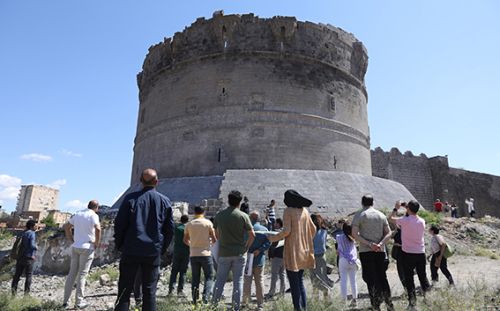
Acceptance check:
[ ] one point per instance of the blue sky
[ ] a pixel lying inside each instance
(69, 99)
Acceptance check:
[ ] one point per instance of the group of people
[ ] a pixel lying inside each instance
(235, 241)
(439, 207)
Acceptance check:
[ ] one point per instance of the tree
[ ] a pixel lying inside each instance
(50, 222)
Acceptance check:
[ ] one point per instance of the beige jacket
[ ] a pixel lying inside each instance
(298, 232)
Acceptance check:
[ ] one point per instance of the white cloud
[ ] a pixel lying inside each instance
(75, 204)
(9, 188)
(9, 181)
(36, 157)
(70, 153)
(57, 184)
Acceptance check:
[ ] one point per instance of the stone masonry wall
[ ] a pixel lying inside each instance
(242, 92)
(414, 172)
(432, 178)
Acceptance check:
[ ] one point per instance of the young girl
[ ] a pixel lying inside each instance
(348, 267)
(438, 261)
(319, 275)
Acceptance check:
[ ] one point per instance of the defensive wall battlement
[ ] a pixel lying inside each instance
(431, 178)
(267, 37)
(243, 92)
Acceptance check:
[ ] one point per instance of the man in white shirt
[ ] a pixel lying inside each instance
(86, 237)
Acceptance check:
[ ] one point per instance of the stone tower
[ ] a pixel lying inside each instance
(242, 92)
(262, 106)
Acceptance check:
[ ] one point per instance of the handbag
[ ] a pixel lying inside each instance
(448, 251)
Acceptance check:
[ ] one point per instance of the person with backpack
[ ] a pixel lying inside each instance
(438, 260)
(24, 253)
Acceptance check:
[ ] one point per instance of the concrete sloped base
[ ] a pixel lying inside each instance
(333, 193)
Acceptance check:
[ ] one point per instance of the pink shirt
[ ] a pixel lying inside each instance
(412, 234)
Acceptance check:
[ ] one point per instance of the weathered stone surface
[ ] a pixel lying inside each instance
(242, 92)
(432, 178)
(54, 253)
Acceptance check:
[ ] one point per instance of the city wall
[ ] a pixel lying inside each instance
(432, 178)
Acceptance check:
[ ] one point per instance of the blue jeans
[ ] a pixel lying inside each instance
(205, 263)
(150, 268)
(179, 267)
(296, 280)
(236, 264)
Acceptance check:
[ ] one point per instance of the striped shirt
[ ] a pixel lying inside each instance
(271, 213)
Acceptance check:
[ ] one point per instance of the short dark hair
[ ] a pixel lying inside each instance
(199, 210)
(184, 219)
(234, 198)
(30, 224)
(367, 200)
(435, 229)
(413, 206)
(279, 221)
(93, 204)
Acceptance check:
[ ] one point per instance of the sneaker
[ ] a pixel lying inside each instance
(82, 305)
(65, 306)
(288, 290)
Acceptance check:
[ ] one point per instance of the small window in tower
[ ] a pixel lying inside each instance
(219, 155)
(223, 91)
(333, 106)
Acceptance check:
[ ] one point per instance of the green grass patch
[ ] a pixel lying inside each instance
(112, 271)
(27, 303)
(483, 252)
(431, 218)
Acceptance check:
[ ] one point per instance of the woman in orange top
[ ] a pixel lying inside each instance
(298, 232)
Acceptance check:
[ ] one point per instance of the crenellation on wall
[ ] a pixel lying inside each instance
(276, 36)
(432, 178)
(256, 88)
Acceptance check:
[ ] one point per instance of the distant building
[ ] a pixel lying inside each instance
(37, 198)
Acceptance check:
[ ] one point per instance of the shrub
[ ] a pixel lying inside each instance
(431, 218)
(49, 222)
(5, 235)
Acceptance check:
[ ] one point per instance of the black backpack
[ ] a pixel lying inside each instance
(17, 248)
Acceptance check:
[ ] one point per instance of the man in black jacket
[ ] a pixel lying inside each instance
(143, 231)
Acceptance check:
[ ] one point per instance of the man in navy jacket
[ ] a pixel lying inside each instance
(143, 231)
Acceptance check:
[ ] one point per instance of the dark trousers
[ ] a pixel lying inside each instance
(150, 271)
(374, 266)
(23, 265)
(443, 266)
(296, 280)
(410, 263)
(179, 267)
(197, 264)
(138, 287)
